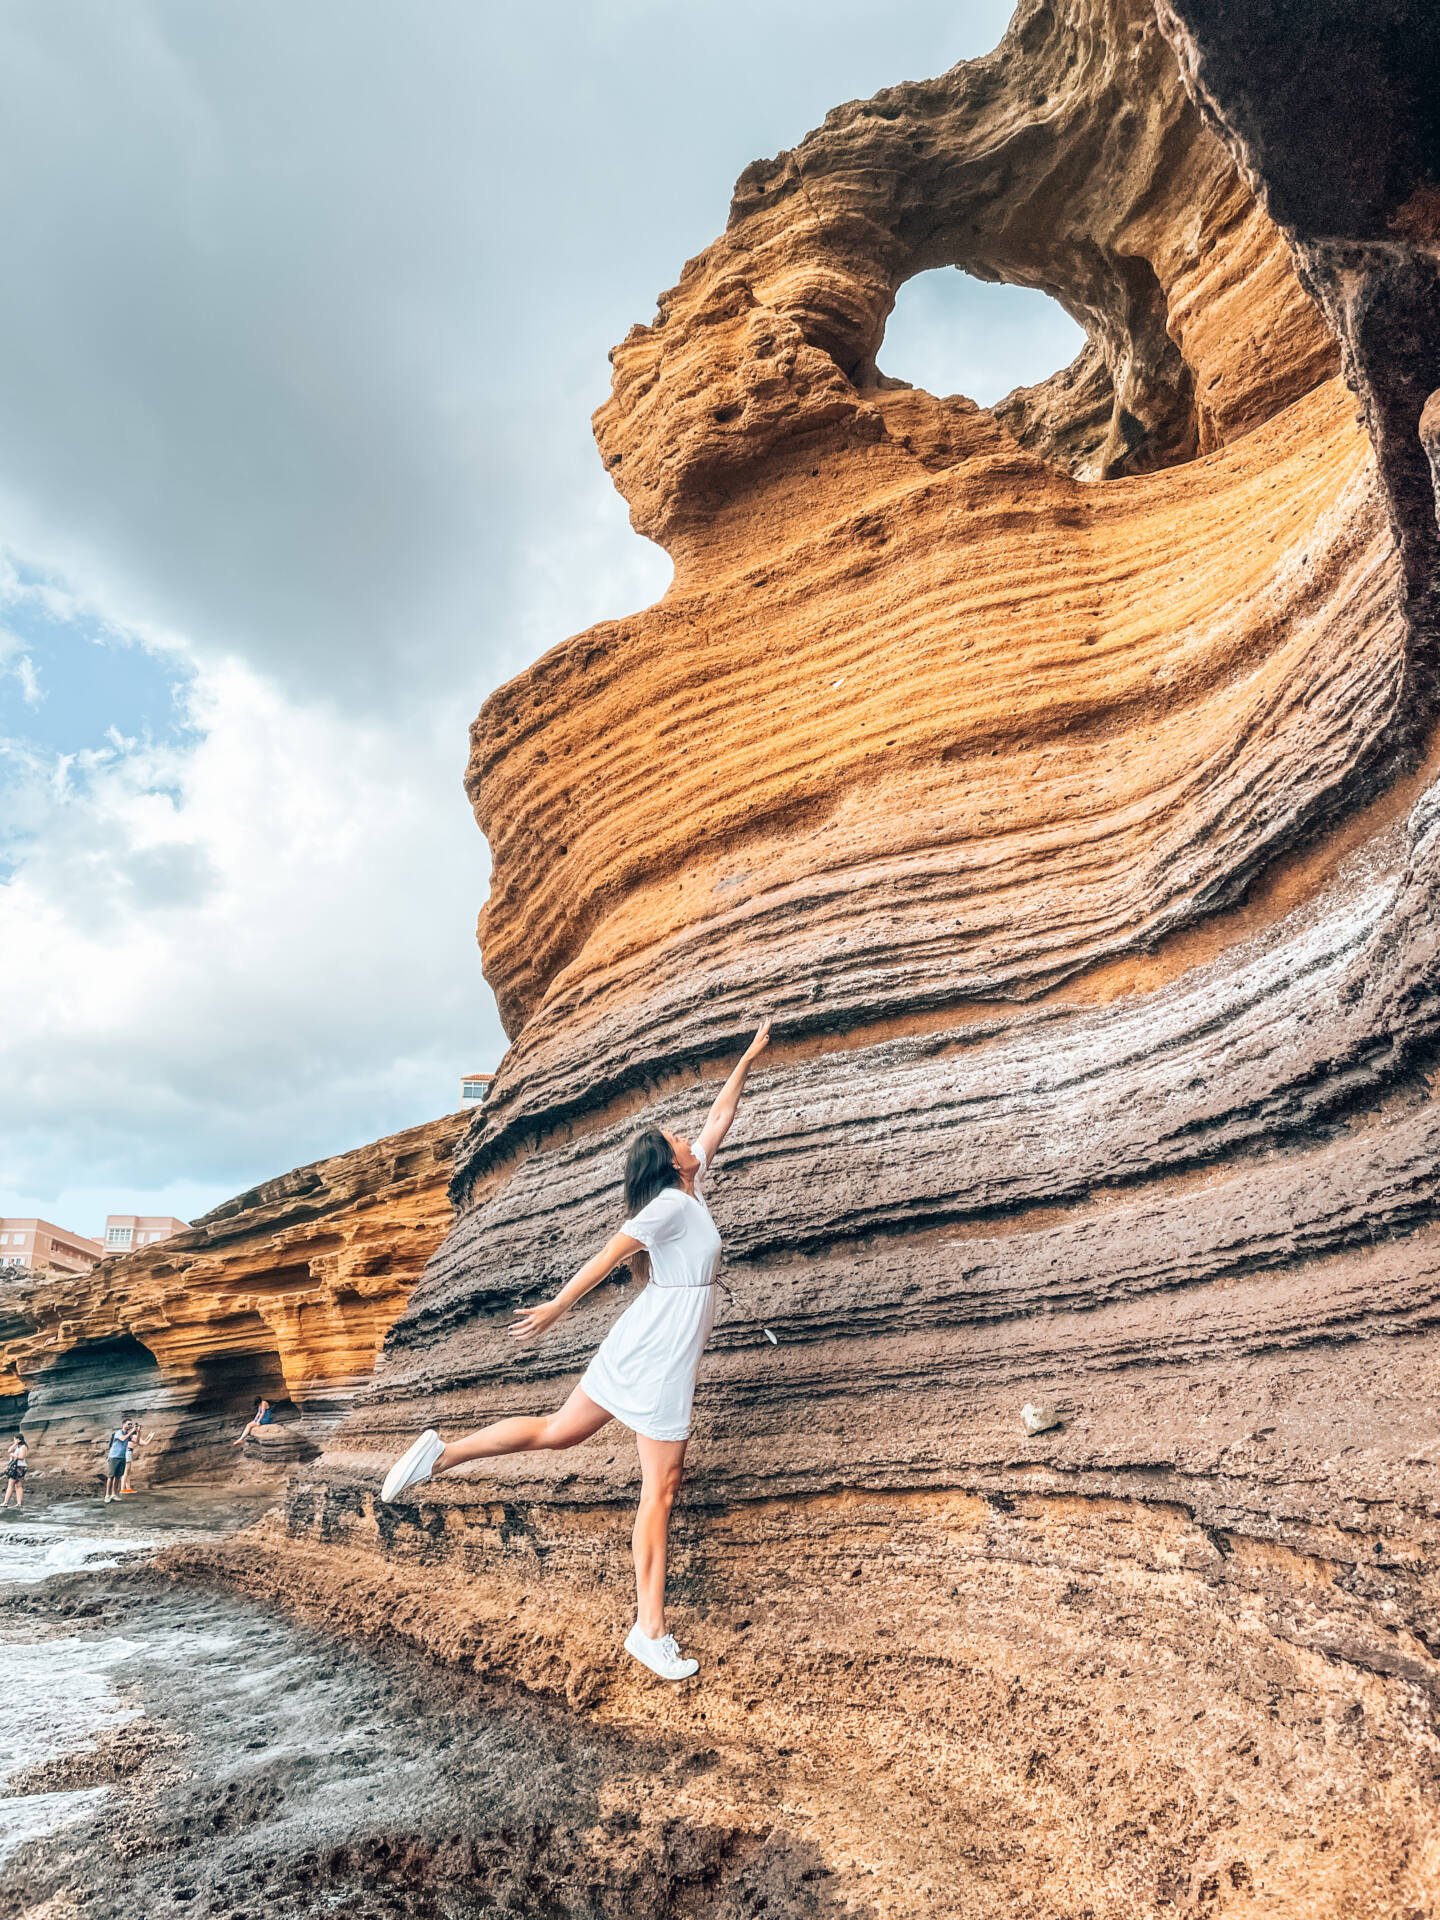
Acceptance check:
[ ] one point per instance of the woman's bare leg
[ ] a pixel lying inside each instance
(566, 1427)
(662, 1462)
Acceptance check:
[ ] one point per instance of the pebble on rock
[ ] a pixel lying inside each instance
(1039, 1416)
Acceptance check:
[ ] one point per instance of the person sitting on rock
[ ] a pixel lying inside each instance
(261, 1417)
(644, 1372)
(15, 1465)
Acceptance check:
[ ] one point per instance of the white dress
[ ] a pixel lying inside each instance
(644, 1371)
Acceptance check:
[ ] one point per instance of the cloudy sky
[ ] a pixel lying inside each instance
(308, 307)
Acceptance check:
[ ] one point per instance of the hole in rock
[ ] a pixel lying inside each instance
(85, 1392)
(953, 334)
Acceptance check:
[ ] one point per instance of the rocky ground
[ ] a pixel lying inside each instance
(1036, 1706)
(177, 1740)
(275, 1770)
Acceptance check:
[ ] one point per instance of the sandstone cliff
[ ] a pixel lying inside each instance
(1062, 777)
(287, 1290)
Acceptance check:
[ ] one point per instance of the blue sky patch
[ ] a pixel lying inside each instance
(67, 679)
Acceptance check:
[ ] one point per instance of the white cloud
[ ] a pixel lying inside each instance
(16, 665)
(264, 936)
(24, 671)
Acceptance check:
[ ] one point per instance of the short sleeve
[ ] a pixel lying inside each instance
(701, 1155)
(659, 1221)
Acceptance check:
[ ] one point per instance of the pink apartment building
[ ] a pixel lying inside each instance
(41, 1244)
(124, 1231)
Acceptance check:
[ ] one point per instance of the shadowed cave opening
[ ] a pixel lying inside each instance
(222, 1399)
(951, 333)
(87, 1391)
(118, 1372)
(229, 1382)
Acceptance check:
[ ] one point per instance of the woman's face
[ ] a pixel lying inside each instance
(685, 1160)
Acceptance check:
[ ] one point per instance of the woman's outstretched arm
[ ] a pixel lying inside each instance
(530, 1321)
(721, 1116)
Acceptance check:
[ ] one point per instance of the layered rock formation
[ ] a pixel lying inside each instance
(287, 1291)
(1062, 777)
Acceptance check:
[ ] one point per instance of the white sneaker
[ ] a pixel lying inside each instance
(662, 1656)
(416, 1463)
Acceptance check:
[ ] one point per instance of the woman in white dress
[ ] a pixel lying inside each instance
(644, 1371)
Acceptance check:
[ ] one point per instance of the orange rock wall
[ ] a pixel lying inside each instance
(287, 1290)
(1063, 778)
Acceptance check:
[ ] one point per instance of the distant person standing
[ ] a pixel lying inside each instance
(15, 1464)
(261, 1417)
(135, 1439)
(115, 1462)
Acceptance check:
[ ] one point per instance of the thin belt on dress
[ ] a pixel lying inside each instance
(691, 1286)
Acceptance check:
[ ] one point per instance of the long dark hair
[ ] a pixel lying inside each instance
(649, 1169)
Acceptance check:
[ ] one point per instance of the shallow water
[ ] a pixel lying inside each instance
(172, 1750)
(219, 1759)
(60, 1690)
(58, 1695)
(250, 1699)
(59, 1536)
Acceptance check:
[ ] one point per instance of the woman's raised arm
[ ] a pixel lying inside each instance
(531, 1321)
(721, 1116)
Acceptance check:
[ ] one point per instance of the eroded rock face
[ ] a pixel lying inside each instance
(287, 1291)
(1062, 778)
